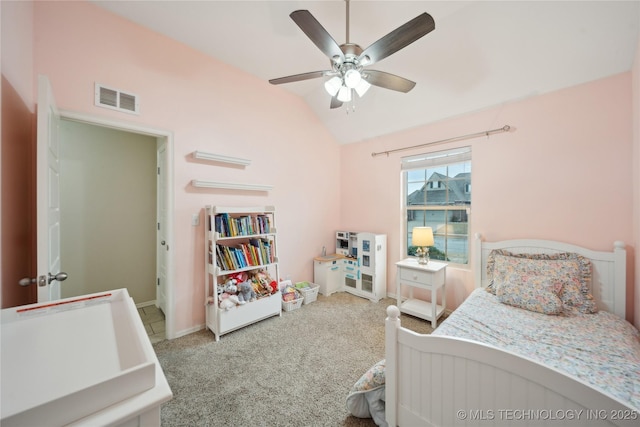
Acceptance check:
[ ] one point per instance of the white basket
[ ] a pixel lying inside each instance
(293, 304)
(309, 293)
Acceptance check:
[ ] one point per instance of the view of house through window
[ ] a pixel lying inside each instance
(437, 194)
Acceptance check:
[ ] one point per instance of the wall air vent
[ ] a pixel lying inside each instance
(116, 99)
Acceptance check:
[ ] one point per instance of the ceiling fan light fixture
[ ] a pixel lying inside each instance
(362, 87)
(352, 78)
(333, 85)
(344, 94)
(348, 60)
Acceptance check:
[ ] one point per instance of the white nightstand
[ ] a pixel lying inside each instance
(431, 277)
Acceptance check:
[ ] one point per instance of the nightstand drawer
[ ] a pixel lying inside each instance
(415, 276)
(427, 278)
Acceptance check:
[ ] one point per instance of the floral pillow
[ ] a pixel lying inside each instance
(534, 293)
(573, 296)
(371, 379)
(363, 401)
(573, 271)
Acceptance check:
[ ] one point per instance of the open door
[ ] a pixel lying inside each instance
(162, 235)
(48, 195)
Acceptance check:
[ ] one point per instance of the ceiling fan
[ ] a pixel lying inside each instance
(348, 61)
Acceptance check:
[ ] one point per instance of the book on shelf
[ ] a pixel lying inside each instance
(245, 225)
(254, 253)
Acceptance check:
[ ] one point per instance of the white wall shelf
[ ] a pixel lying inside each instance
(231, 185)
(202, 155)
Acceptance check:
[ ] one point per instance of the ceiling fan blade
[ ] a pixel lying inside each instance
(335, 102)
(388, 81)
(299, 77)
(398, 39)
(316, 32)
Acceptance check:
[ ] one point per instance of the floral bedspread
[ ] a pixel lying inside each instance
(601, 349)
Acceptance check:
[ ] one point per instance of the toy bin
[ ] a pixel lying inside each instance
(309, 291)
(292, 305)
(291, 299)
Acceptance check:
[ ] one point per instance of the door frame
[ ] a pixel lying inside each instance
(159, 134)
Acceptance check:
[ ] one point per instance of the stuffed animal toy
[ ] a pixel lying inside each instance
(239, 277)
(272, 286)
(227, 301)
(265, 281)
(230, 287)
(246, 292)
(259, 290)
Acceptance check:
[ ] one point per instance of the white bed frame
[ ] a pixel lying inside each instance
(446, 381)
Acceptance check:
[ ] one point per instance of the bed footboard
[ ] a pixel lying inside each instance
(445, 381)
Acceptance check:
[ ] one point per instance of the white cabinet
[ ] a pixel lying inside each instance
(431, 277)
(327, 272)
(366, 275)
(240, 240)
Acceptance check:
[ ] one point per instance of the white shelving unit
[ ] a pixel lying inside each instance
(247, 232)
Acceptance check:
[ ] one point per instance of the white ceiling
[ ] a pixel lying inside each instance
(481, 54)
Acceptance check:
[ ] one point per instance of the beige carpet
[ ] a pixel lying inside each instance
(293, 370)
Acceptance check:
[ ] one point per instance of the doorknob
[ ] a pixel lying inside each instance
(27, 281)
(163, 243)
(60, 277)
(43, 280)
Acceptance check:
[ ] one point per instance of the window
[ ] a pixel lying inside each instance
(437, 194)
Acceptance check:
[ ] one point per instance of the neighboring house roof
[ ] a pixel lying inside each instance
(436, 189)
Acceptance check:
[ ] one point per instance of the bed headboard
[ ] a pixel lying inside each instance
(609, 281)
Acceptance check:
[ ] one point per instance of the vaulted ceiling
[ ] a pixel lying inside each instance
(481, 53)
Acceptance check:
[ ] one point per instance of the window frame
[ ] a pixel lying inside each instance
(426, 161)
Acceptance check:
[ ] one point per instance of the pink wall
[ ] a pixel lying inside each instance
(18, 158)
(17, 48)
(208, 106)
(565, 173)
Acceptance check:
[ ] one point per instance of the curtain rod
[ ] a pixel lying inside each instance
(505, 128)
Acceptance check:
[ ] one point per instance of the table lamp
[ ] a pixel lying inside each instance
(423, 238)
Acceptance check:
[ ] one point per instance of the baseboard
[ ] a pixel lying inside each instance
(184, 332)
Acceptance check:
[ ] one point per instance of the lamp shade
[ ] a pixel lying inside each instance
(344, 94)
(422, 236)
(333, 85)
(362, 87)
(352, 78)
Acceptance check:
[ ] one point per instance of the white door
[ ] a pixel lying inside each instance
(162, 242)
(48, 195)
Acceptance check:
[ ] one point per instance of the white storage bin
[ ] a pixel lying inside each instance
(309, 291)
(291, 304)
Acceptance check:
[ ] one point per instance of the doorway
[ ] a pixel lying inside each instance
(111, 193)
